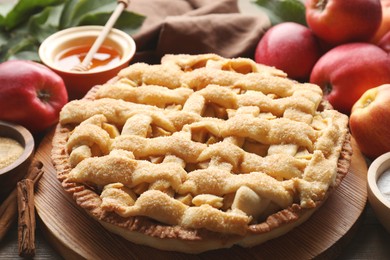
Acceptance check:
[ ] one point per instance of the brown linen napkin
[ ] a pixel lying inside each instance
(194, 27)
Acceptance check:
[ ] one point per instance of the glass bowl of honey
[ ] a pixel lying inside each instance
(65, 49)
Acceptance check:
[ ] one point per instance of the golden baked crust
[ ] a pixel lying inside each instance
(201, 152)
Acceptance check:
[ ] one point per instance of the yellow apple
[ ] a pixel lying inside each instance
(370, 121)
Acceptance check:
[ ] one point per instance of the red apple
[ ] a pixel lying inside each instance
(385, 24)
(384, 42)
(30, 94)
(290, 47)
(370, 121)
(342, 21)
(347, 71)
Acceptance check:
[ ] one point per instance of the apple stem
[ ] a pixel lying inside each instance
(328, 88)
(43, 95)
(321, 4)
(367, 102)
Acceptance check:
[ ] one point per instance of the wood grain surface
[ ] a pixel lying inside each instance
(76, 235)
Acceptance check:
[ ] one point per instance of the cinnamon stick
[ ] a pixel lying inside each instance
(9, 207)
(26, 219)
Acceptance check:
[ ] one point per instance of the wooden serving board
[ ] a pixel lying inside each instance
(75, 235)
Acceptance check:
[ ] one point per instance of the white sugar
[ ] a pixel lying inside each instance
(384, 184)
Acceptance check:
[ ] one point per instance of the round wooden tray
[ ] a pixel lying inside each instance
(75, 235)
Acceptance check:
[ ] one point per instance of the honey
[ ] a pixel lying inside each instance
(105, 57)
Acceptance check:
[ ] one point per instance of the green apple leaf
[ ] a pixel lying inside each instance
(97, 12)
(26, 55)
(284, 10)
(3, 38)
(44, 24)
(66, 15)
(3, 42)
(128, 22)
(22, 11)
(18, 43)
(75, 10)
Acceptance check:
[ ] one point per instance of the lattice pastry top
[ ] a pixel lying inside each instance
(201, 142)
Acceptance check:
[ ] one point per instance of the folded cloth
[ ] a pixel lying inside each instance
(195, 27)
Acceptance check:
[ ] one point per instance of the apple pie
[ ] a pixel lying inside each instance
(201, 152)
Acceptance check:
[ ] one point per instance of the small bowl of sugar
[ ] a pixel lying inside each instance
(16, 152)
(378, 178)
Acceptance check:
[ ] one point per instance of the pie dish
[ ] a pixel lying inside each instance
(201, 152)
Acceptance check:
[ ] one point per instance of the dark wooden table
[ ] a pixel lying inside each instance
(370, 241)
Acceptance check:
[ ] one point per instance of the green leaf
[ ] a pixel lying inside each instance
(128, 22)
(26, 55)
(284, 10)
(75, 10)
(22, 11)
(44, 24)
(66, 14)
(4, 9)
(18, 43)
(3, 38)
